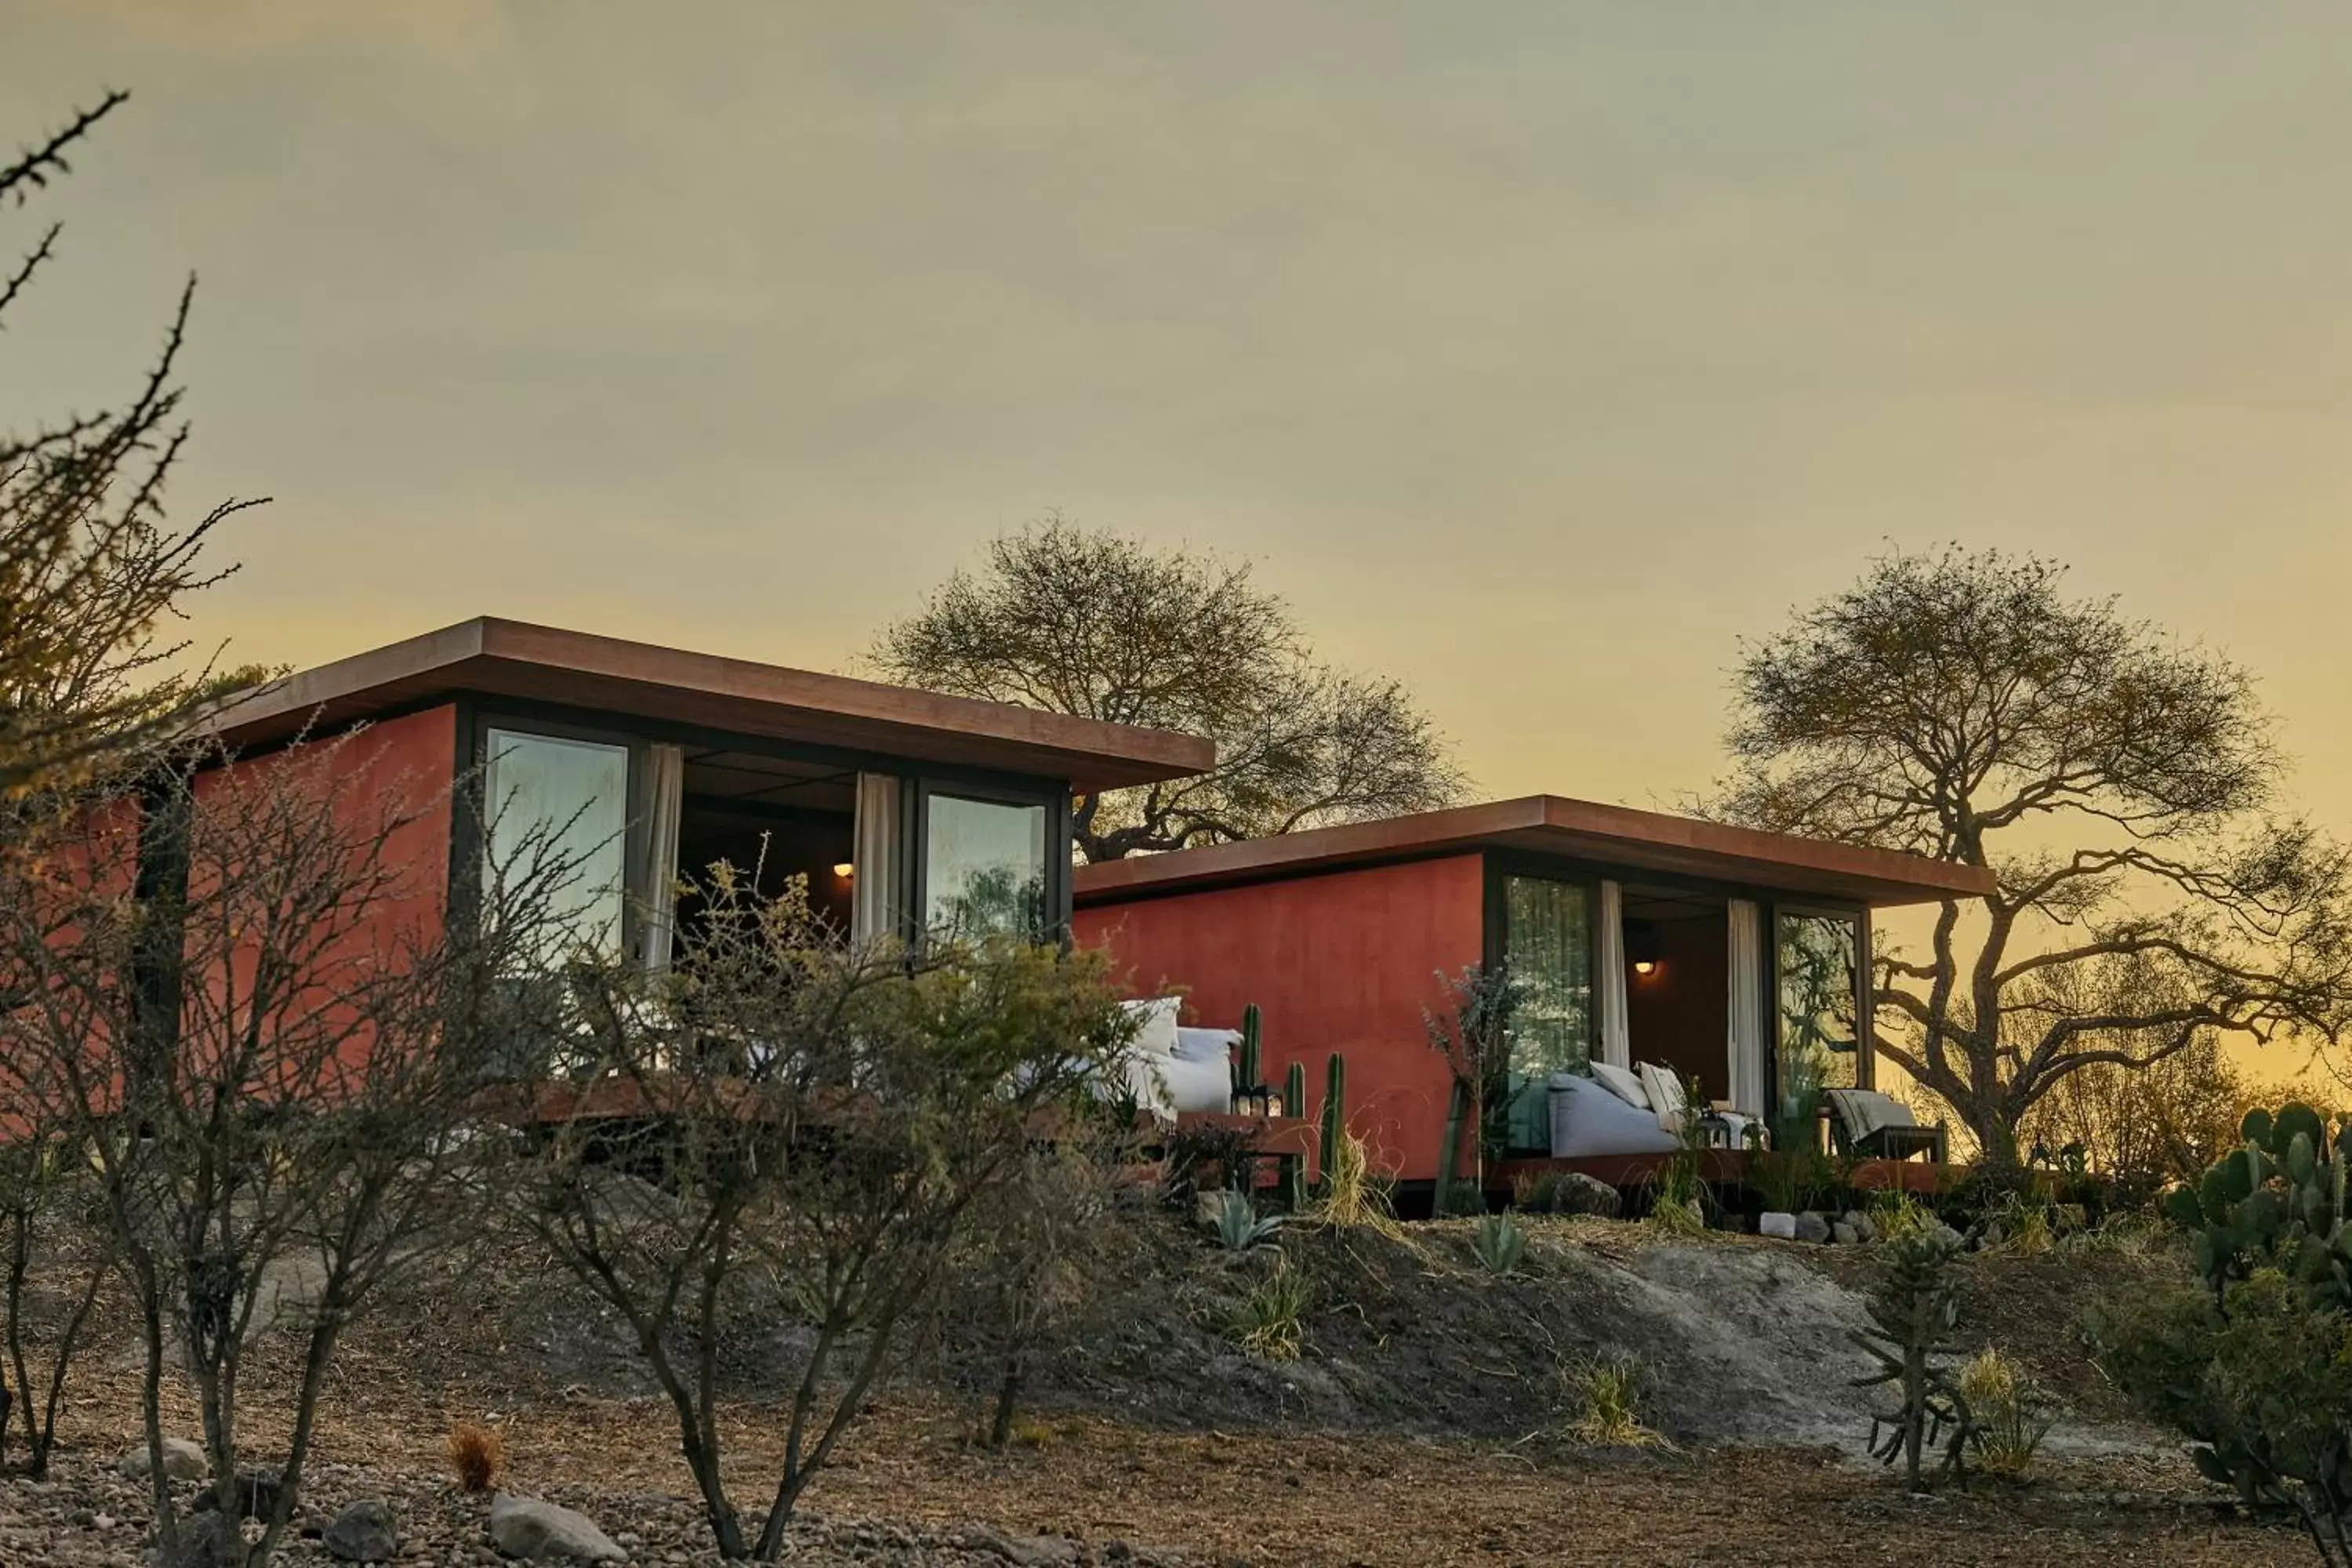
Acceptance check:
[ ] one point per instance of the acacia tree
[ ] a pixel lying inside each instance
(91, 571)
(2122, 788)
(787, 1122)
(245, 1012)
(1092, 623)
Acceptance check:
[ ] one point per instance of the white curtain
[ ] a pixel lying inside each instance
(666, 793)
(873, 897)
(1616, 1033)
(1746, 1007)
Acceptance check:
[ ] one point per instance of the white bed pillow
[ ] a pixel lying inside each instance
(1622, 1084)
(1665, 1092)
(1155, 1036)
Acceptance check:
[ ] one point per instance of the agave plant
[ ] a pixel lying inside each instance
(1500, 1245)
(1240, 1227)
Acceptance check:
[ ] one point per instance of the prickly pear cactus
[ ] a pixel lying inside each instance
(2278, 1201)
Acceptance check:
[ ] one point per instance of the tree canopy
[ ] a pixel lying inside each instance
(1096, 624)
(2123, 786)
(91, 572)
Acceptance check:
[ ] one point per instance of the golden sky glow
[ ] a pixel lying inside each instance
(1538, 352)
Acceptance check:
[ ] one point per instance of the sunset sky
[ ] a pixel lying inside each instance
(1536, 352)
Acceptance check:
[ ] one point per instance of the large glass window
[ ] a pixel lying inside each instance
(570, 799)
(984, 866)
(1818, 960)
(1548, 944)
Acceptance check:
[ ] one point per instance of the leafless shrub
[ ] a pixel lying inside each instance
(274, 1048)
(820, 1122)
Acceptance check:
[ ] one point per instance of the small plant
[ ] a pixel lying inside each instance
(1896, 1215)
(1353, 1194)
(1606, 1391)
(1266, 1321)
(1473, 1034)
(477, 1454)
(1679, 1194)
(1536, 1192)
(1240, 1228)
(2023, 1221)
(1499, 1246)
(1913, 1311)
(1191, 1150)
(2008, 1414)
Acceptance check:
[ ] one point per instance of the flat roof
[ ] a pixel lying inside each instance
(1551, 825)
(515, 659)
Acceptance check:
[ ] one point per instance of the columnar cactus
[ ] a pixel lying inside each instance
(1335, 1114)
(1246, 1066)
(1294, 1090)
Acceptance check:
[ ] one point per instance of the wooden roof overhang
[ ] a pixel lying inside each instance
(1544, 825)
(514, 660)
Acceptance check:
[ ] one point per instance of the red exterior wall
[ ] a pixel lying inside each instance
(1340, 962)
(404, 767)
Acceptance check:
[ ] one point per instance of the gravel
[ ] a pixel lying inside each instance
(87, 1516)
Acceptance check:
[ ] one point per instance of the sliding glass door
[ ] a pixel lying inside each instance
(1548, 944)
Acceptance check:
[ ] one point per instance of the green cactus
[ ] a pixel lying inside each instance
(1294, 1167)
(1335, 1112)
(1245, 1066)
(2277, 1201)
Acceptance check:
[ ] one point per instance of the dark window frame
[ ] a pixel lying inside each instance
(1865, 1073)
(915, 884)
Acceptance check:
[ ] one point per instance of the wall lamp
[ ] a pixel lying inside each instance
(1642, 947)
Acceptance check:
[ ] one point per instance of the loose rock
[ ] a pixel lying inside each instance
(363, 1532)
(1812, 1227)
(545, 1532)
(183, 1461)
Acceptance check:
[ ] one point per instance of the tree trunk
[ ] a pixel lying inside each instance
(1008, 1399)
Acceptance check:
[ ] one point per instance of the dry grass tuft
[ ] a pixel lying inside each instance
(1351, 1195)
(475, 1454)
(1607, 1393)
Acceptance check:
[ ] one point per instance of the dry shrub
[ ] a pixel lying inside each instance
(1606, 1391)
(477, 1453)
(2007, 1412)
(1352, 1195)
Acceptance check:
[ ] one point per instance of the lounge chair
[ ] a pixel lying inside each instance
(1878, 1126)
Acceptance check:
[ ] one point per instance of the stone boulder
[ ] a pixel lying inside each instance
(1576, 1193)
(548, 1532)
(1843, 1234)
(1865, 1229)
(1783, 1226)
(361, 1533)
(1812, 1227)
(183, 1461)
(204, 1540)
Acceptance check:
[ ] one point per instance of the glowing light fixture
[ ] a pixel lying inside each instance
(1642, 947)
(844, 870)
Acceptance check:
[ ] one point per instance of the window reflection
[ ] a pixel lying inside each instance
(1818, 960)
(1548, 942)
(984, 866)
(565, 801)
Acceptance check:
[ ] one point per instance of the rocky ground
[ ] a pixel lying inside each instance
(87, 1515)
(1424, 1424)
